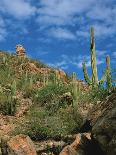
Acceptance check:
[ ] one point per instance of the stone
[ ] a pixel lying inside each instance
(103, 120)
(60, 74)
(78, 146)
(20, 51)
(21, 145)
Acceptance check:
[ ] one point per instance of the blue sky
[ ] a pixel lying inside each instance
(57, 31)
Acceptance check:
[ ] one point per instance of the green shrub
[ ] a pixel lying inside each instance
(39, 125)
(50, 93)
(7, 104)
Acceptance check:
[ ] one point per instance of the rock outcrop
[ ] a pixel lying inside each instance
(20, 51)
(78, 146)
(101, 125)
(60, 74)
(32, 68)
(21, 145)
(103, 122)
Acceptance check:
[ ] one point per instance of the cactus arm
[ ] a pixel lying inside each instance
(93, 59)
(86, 76)
(103, 78)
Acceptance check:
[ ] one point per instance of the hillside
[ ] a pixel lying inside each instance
(41, 102)
(37, 100)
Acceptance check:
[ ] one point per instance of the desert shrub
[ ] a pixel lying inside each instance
(50, 94)
(7, 104)
(99, 94)
(39, 125)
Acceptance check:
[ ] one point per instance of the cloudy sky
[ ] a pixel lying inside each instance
(57, 31)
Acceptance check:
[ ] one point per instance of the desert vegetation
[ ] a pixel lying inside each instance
(54, 99)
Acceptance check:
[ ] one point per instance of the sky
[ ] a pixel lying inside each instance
(57, 32)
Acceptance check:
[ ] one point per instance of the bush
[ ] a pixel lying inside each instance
(50, 94)
(39, 125)
(7, 104)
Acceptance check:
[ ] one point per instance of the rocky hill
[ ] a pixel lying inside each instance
(45, 105)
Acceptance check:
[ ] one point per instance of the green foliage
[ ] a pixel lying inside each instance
(13, 88)
(40, 125)
(45, 79)
(86, 76)
(31, 82)
(7, 104)
(74, 88)
(49, 94)
(52, 114)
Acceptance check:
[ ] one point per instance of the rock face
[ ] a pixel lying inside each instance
(20, 51)
(21, 145)
(32, 68)
(78, 146)
(103, 121)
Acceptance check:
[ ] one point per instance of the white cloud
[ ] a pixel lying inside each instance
(61, 12)
(3, 31)
(19, 9)
(100, 14)
(66, 14)
(65, 61)
(61, 33)
(102, 30)
(101, 53)
(60, 64)
(78, 60)
(100, 56)
(81, 33)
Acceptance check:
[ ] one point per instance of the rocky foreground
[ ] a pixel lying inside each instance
(97, 136)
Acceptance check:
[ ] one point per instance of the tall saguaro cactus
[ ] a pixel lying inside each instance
(108, 73)
(94, 80)
(93, 59)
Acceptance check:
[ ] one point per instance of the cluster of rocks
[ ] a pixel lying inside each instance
(20, 51)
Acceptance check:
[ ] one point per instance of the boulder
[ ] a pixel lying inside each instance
(78, 146)
(21, 145)
(103, 122)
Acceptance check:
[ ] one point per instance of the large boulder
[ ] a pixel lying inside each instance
(103, 122)
(21, 145)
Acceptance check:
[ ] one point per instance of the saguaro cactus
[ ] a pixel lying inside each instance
(74, 86)
(108, 73)
(13, 88)
(45, 79)
(12, 99)
(94, 80)
(31, 82)
(93, 59)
